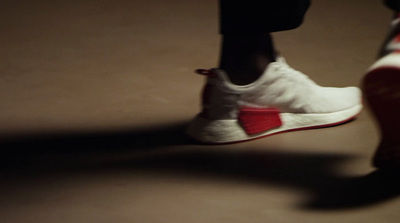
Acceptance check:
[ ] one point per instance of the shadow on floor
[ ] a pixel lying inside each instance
(165, 149)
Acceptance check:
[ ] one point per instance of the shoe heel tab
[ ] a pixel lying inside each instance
(206, 72)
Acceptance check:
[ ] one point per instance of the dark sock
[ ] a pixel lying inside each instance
(245, 57)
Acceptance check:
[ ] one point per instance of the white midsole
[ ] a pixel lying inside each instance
(229, 130)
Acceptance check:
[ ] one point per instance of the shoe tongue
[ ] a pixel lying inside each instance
(270, 70)
(281, 60)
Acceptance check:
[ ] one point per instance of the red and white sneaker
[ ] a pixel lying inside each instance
(381, 87)
(281, 100)
(382, 90)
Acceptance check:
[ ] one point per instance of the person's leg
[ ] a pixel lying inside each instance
(245, 57)
(254, 92)
(247, 46)
(393, 4)
(382, 90)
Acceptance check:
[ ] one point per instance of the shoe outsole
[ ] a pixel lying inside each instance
(382, 92)
(206, 131)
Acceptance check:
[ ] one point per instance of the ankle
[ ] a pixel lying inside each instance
(245, 58)
(248, 70)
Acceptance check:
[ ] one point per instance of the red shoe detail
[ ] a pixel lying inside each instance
(382, 91)
(257, 120)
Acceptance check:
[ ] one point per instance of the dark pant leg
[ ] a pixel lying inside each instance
(261, 16)
(393, 4)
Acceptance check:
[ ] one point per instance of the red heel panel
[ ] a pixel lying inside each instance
(257, 120)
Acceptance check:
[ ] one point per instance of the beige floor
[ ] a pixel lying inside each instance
(95, 96)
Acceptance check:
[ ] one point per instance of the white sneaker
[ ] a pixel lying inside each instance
(281, 100)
